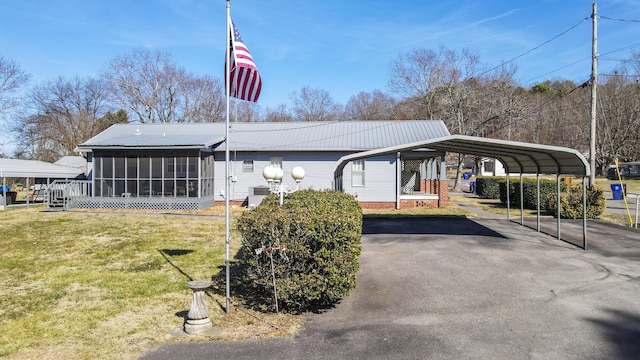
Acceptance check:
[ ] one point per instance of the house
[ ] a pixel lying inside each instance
(491, 167)
(182, 166)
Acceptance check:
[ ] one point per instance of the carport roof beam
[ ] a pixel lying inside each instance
(518, 157)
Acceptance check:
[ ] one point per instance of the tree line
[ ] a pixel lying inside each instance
(472, 98)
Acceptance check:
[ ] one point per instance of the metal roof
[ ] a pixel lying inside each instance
(518, 157)
(37, 169)
(269, 136)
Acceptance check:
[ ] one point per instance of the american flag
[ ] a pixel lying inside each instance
(245, 78)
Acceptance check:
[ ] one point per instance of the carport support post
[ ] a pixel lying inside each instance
(521, 200)
(538, 201)
(558, 188)
(398, 180)
(584, 213)
(508, 199)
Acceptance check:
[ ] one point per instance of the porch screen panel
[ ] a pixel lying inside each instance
(107, 167)
(156, 176)
(192, 176)
(181, 163)
(206, 176)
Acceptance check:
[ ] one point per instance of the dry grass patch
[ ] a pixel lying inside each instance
(108, 285)
(491, 205)
(451, 210)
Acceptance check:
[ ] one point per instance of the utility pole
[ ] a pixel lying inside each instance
(594, 84)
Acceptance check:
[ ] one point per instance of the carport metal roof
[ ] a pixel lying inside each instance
(36, 169)
(518, 157)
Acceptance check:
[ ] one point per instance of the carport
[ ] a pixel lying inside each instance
(33, 169)
(517, 158)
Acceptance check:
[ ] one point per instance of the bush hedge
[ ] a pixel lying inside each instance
(321, 231)
(488, 187)
(529, 192)
(571, 203)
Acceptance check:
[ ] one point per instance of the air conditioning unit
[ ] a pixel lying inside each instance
(256, 194)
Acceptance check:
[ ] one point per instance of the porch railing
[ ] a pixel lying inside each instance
(61, 192)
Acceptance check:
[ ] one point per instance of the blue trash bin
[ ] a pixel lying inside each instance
(617, 190)
(472, 186)
(465, 176)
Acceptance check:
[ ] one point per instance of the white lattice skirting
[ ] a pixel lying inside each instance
(141, 203)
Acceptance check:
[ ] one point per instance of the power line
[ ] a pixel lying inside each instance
(617, 19)
(536, 47)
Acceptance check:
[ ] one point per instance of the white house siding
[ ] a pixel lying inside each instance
(318, 171)
(379, 182)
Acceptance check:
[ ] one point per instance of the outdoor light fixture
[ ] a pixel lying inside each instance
(274, 176)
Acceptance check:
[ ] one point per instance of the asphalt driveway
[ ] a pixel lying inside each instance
(455, 288)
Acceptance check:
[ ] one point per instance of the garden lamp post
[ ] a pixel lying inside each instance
(274, 175)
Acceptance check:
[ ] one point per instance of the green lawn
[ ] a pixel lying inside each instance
(109, 286)
(632, 185)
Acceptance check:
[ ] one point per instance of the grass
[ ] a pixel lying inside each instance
(107, 285)
(633, 186)
(452, 210)
(491, 205)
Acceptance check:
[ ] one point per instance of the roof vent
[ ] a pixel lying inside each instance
(137, 131)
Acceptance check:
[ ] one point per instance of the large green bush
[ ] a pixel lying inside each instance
(571, 203)
(529, 192)
(321, 231)
(488, 187)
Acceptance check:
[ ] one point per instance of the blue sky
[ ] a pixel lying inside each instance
(343, 47)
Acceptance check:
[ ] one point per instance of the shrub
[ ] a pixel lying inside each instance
(571, 203)
(529, 192)
(488, 187)
(322, 233)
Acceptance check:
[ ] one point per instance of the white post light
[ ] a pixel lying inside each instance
(274, 176)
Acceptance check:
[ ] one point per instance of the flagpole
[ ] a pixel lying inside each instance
(227, 156)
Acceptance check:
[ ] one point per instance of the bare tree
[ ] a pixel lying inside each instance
(618, 121)
(65, 113)
(147, 84)
(244, 111)
(11, 79)
(280, 113)
(375, 105)
(202, 100)
(154, 89)
(314, 105)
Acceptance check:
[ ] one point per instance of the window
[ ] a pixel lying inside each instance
(247, 166)
(357, 172)
(276, 161)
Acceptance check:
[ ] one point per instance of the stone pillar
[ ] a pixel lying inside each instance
(198, 316)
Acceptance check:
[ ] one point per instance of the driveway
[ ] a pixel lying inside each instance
(455, 288)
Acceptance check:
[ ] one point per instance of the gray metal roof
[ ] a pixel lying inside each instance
(37, 169)
(518, 157)
(267, 136)
(156, 136)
